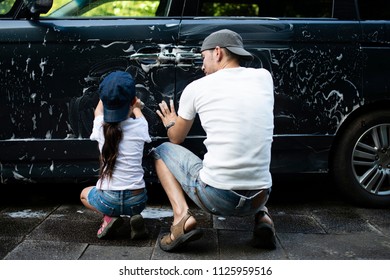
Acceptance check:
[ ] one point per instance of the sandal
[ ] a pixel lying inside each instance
(111, 223)
(264, 233)
(181, 237)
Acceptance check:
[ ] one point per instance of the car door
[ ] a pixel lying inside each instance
(315, 61)
(376, 47)
(50, 68)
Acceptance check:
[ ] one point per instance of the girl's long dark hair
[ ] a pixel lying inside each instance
(112, 136)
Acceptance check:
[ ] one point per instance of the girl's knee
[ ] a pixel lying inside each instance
(84, 193)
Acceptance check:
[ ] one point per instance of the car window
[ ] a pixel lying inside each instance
(106, 8)
(56, 5)
(265, 8)
(5, 6)
(374, 9)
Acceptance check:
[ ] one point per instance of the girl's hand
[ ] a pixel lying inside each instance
(138, 103)
(136, 108)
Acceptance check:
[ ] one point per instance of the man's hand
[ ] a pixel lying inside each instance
(167, 114)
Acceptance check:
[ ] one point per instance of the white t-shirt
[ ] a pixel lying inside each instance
(235, 107)
(128, 172)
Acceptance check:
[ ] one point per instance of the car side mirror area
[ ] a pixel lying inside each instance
(38, 7)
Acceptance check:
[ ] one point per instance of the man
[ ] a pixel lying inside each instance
(235, 107)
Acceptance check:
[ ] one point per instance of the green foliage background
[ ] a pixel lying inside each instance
(131, 8)
(145, 8)
(5, 6)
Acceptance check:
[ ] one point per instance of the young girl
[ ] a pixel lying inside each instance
(121, 131)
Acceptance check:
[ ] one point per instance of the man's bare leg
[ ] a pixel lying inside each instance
(175, 195)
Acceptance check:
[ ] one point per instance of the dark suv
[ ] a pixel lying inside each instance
(330, 61)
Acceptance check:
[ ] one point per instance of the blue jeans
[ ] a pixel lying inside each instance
(185, 166)
(116, 203)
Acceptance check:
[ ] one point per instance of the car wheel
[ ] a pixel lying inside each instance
(361, 160)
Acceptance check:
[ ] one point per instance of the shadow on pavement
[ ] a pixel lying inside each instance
(291, 189)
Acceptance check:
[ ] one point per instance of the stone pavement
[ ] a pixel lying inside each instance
(50, 225)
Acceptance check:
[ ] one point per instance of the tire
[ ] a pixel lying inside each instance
(361, 160)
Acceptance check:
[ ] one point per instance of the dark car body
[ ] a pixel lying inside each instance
(331, 71)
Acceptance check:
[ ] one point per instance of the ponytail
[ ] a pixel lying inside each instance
(112, 136)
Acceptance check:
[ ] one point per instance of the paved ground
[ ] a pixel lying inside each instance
(312, 223)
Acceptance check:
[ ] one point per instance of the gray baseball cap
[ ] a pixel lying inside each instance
(228, 39)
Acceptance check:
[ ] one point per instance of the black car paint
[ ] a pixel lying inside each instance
(50, 70)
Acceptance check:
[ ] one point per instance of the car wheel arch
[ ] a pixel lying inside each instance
(342, 168)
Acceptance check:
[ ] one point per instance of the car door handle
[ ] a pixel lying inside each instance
(167, 56)
(188, 56)
(145, 58)
(189, 59)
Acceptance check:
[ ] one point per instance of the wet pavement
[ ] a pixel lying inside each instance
(312, 223)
